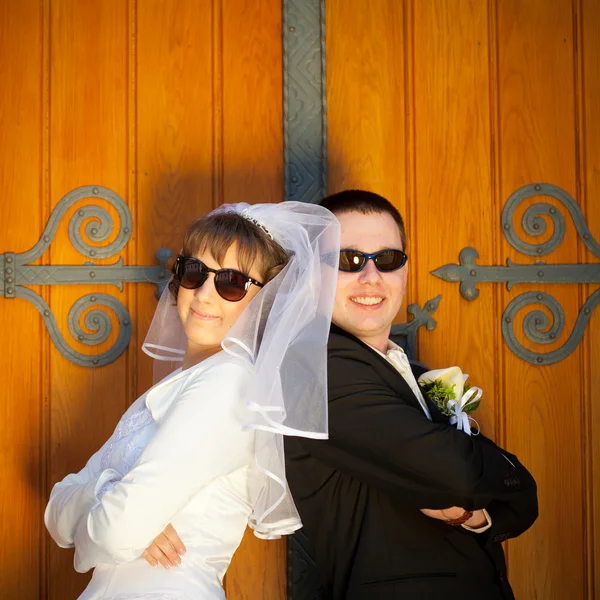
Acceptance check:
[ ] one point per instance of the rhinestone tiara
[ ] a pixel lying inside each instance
(247, 216)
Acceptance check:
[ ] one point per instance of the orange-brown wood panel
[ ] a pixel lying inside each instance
(252, 147)
(444, 107)
(454, 200)
(251, 151)
(589, 172)
(175, 136)
(88, 144)
(536, 143)
(22, 213)
(367, 107)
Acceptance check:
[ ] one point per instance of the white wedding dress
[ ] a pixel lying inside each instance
(178, 455)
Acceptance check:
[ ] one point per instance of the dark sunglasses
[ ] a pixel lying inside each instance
(230, 284)
(353, 261)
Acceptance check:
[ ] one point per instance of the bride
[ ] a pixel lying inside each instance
(200, 455)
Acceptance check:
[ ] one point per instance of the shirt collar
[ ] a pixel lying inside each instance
(391, 347)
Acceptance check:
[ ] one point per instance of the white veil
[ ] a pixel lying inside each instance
(283, 333)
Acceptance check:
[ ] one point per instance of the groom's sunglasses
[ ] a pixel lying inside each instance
(230, 284)
(353, 261)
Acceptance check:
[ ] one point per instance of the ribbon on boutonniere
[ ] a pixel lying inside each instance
(449, 391)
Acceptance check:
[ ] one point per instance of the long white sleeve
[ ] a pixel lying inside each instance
(72, 499)
(198, 439)
(89, 555)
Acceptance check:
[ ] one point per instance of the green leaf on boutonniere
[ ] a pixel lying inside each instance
(439, 394)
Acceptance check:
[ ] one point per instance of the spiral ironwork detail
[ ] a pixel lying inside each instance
(535, 218)
(538, 327)
(541, 329)
(90, 227)
(97, 321)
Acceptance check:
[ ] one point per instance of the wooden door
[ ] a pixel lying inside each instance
(447, 107)
(176, 107)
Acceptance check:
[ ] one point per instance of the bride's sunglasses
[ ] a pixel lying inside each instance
(230, 284)
(353, 261)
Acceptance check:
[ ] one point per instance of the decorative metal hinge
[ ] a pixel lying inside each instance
(537, 326)
(405, 335)
(18, 272)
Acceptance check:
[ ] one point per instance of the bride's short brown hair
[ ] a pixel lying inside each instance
(217, 232)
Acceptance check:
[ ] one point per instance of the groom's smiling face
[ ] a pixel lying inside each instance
(367, 302)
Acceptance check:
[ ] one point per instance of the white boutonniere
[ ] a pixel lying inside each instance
(449, 391)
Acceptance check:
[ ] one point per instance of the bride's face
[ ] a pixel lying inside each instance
(205, 316)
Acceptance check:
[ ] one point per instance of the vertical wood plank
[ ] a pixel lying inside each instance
(174, 136)
(454, 203)
(89, 49)
(365, 97)
(537, 144)
(132, 352)
(589, 172)
(366, 108)
(46, 342)
(21, 219)
(252, 101)
(252, 155)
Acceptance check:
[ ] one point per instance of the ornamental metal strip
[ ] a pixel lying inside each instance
(537, 327)
(304, 100)
(305, 178)
(16, 272)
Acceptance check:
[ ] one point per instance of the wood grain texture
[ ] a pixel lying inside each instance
(252, 163)
(537, 143)
(589, 173)
(454, 202)
(21, 216)
(88, 144)
(445, 107)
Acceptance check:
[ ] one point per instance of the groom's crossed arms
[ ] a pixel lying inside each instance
(385, 440)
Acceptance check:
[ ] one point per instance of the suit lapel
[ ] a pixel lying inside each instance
(388, 372)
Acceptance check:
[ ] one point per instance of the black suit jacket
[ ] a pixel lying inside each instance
(359, 493)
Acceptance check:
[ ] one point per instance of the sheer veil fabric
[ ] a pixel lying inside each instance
(283, 333)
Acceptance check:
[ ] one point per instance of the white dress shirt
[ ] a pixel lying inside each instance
(178, 455)
(397, 358)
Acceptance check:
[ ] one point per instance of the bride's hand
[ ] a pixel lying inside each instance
(165, 549)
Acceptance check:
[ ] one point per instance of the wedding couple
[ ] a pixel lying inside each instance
(272, 399)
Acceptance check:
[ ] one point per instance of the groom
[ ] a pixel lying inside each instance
(397, 503)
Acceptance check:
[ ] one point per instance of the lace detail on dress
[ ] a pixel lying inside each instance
(124, 428)
(130, 454)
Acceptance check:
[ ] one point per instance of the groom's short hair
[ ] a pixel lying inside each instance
(366, 203)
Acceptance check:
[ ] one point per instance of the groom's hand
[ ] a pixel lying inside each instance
(455, 512)
(165, 549)
(446, 514)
